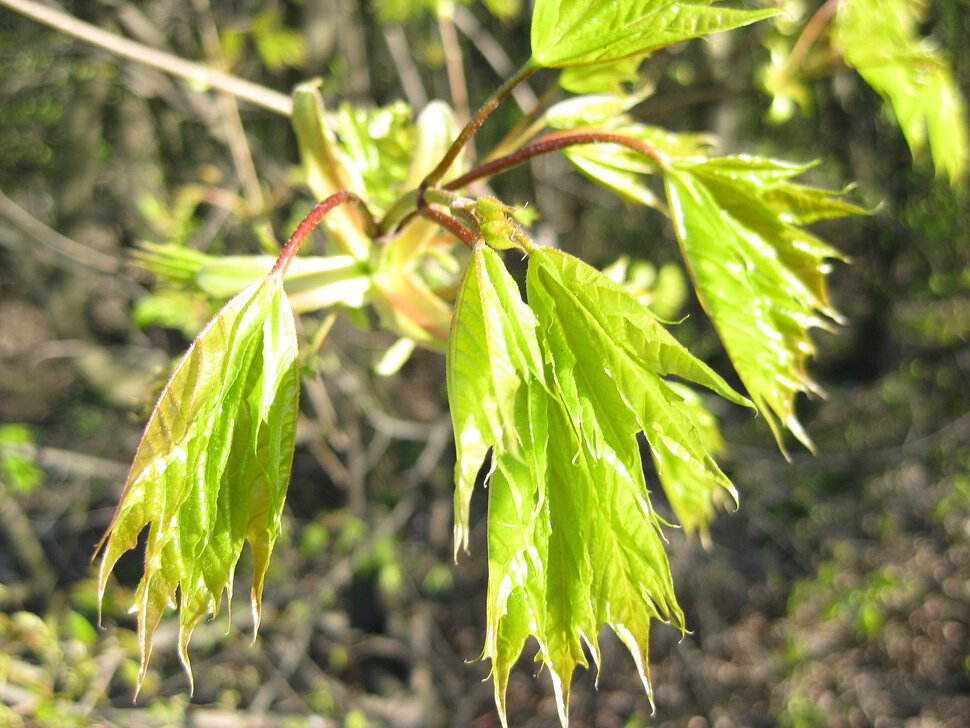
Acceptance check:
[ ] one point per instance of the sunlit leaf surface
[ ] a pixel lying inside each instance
(761, 278)
(213, 465)
(880, 39)
(584, 32)
(557, 390)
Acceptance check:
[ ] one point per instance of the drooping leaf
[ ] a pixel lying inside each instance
(213, 465)
(694, 493)
(585, 32)
(760, 277)
(491, 348)
(557, 390)
(879, 38)
(598, 321)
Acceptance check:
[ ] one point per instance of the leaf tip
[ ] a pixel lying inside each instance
(183, 650)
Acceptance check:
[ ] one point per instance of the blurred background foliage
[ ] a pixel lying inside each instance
(838, 595)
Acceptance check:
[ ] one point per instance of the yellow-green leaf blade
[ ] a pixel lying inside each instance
(213, 465)
(620, 355)
(585, 32)
(760, 277)
(492, 344)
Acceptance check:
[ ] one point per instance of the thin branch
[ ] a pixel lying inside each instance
(450, 224)
(407, 71)
(473, 126)
(235, 134)
(198, 76)
(555, 142)
(64, 247)
(810, 33)
(454, 67)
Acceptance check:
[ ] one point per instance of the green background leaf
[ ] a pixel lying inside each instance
(880, 39)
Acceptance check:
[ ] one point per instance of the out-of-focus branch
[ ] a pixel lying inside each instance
(454, 67)
(242, 155)
(197, 75)
(66, 248)
(494, 54)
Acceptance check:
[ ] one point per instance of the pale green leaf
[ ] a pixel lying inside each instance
(395, 357)
(213, 465)
(592, 110)
(491, 347)
(378, 144)
(405, 293)
(622, 352)
(435, 130)
(557, 390)
(760, 277)
(880, 39)
(585, 32)
(694, 493)
(505, 10)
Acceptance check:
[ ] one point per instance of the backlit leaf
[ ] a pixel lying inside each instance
(557, 390)
(760, 277)
(213, 465)
(491, 347)
(585, 32)
(879, 38)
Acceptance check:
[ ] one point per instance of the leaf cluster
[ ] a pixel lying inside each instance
(563, 392)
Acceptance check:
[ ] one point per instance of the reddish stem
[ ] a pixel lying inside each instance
(554, 143)
(449, 223)
(313, 219)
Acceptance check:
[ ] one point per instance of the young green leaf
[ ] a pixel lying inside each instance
(759, 276)
(492, 348)
(694, 493)
(601, 78)
(558, 390)
(213, 465)
(622, 354)
(378, 144)
(585, 32)
(879, 39)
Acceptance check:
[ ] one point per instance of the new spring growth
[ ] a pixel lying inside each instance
(496, 225)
